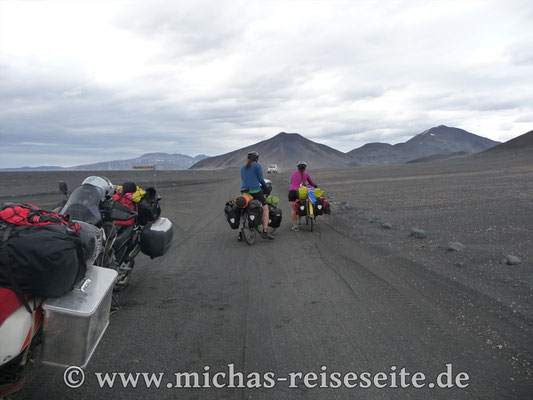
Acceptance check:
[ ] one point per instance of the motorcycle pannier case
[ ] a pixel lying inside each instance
(274, 216)
(232, 215)
(156, 237)
(254, 213)
(75, 322)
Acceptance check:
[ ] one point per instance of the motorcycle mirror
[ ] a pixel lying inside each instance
(63, 188)
(129, 187)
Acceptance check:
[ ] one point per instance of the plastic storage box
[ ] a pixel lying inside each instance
(156, 237)
(75, 322)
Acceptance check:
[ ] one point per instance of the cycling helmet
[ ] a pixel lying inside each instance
(102, 183)
(301, 164)
(268, 189)
(253, 156)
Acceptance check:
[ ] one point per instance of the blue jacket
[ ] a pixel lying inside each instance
(252, 178)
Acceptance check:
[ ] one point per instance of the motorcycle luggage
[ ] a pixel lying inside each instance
(125, 201)
(232, 215)
(75, 322)
(300, 208)
(42, 261)
(274, 216)
(156, 237)
(254, 213)
(148, 208)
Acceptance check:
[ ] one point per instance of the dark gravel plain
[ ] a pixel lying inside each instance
(350, 296)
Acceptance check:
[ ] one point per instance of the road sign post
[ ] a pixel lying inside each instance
(152, 167)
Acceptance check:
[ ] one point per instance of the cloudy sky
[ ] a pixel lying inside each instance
(87, 81)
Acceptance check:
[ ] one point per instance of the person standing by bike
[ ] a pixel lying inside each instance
(254, 183)
(299, 178)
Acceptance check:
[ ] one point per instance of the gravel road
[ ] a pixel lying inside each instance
(349, 297)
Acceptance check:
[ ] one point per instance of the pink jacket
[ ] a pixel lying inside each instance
(296, 180)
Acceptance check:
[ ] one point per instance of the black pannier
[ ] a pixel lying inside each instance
(45, 261)
(300, 208)
(148, 208)
(328, 208)
(156, 237)
(232, 215)
(274, 216)
(255, 212)
(320, 206)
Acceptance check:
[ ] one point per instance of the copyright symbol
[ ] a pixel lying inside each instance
(74, 377)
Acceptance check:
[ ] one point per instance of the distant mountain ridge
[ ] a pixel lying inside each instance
(438, 140)
(40, 168)
(163, 161)
(284, 150)
(522, 143)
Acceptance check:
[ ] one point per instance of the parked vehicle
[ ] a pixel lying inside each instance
(62, 299)
(125, 230)
(29, 319)
(272, 169)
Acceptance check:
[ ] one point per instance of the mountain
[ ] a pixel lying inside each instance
(285, 150)
(373, 153)
(41, 168)
(438, 140)
(522, 143)
(439, 157)
(163, 161)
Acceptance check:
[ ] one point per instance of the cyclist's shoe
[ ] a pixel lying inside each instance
(299, 221)
(295, 228)
(239, 239)
(266, 235)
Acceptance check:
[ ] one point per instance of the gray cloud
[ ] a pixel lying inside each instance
(208, 77)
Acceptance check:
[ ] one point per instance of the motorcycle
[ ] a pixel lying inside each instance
(64, 326)
(97, 202)
(28, 322)
(120, 245)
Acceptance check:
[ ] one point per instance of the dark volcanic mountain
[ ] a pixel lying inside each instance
(522, 143)
(285, 150)
(439, 140)
(163, 161)
(439, 157)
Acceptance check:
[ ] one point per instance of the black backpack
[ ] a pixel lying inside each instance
(232, 215)
(320, 206)
(45, 261)
(148, 208)
(274, 216)
(300, 208)
(254, 213)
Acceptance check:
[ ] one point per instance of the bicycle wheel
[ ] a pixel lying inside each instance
(248, 232)
(310, 214)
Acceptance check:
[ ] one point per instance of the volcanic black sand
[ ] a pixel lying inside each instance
(352, 296)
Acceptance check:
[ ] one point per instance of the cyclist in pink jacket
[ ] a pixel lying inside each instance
(298, 178)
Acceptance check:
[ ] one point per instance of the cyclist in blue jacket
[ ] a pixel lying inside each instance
(253, 181)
